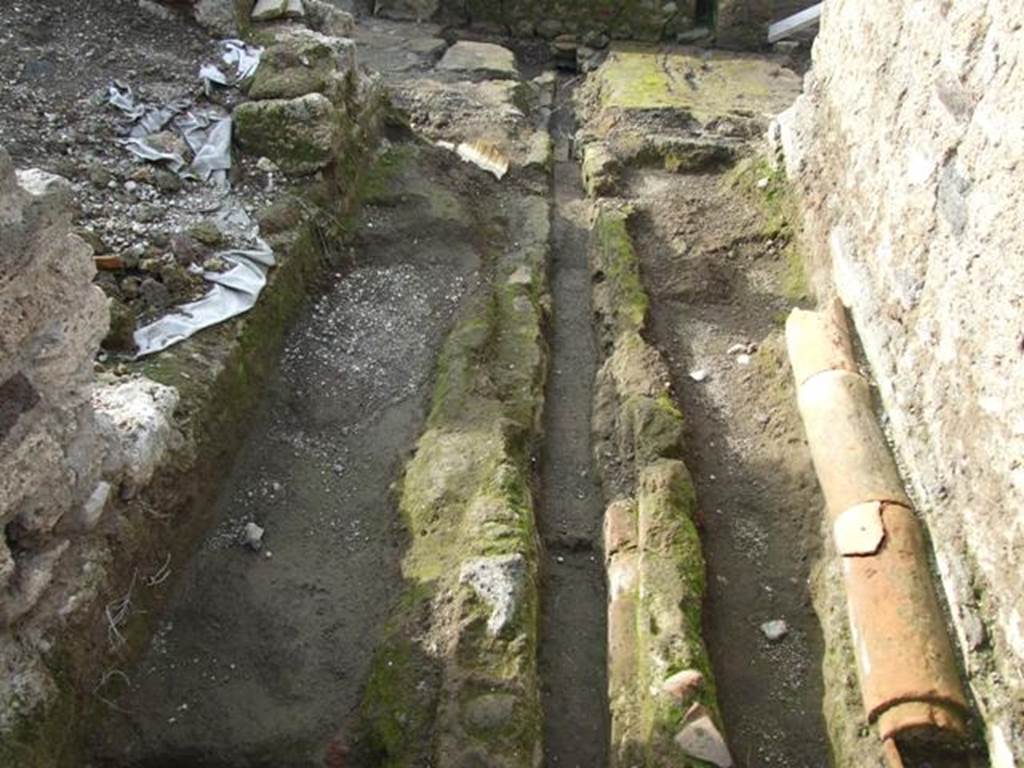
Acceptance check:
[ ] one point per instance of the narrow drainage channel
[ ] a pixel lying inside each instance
(717, 290)
(573, 643)
(262, 654)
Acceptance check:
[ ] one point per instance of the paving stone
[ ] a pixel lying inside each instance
(480, 58)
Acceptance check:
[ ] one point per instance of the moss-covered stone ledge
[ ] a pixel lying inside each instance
(455, 682)
(675, 109)
(661, 690)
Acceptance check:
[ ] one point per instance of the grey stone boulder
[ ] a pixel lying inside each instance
(300, 135)
(302, 62)
(484, 59)
(328, 19)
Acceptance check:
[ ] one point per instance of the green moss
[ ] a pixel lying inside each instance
(300, 135)
(769, 190)
(120, 337)
(656, 426)
(459, 366)
(518, 353)
(645, 77)
(46, 739)
(400, 701)
(295, 68)
(616, 261)
(387, 168)
(795, 285)
(669, 621)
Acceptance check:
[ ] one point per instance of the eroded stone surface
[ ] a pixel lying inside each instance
(479, 58)
(135, 418)
(301, 135)
(52, 320)
(499, 582)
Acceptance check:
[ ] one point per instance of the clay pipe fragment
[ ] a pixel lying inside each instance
(908, 676)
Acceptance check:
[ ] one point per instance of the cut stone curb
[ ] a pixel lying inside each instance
(654, 561)
(480, 58)
(455, 681)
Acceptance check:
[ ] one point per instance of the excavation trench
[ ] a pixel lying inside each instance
(261, 655)
(573, 643)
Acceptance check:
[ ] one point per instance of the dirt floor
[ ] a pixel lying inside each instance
(717, 282)
(57, 59)
(574, 624)
(262, 655)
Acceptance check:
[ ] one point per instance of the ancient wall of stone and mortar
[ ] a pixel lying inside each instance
(51, 321)
(738, 23)
(908, 148)
(70, 445)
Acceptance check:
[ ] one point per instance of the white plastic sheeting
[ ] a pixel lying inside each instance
(234, 292)
(244, 58)
(207, 133)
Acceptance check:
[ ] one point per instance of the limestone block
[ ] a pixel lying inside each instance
(135, 421)
(302, 62)
(300, 135)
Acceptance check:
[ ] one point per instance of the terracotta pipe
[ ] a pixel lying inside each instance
(905, 663)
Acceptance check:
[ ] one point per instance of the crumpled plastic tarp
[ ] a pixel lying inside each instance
(234, 292)
(207, 131)
(245, 58)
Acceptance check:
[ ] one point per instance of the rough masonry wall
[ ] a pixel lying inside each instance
(739, 23)
(908, 147)
(51, 321)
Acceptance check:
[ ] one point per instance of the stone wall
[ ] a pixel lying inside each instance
(908, 148)
(738, 23)
(51, 321)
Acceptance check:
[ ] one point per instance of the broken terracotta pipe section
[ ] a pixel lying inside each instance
(698, 737)
(621, 564)
(908, 676)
